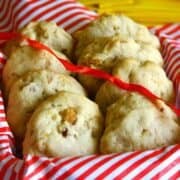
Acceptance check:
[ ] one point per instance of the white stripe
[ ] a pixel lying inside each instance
(107, 165)
(43, 172)
(175, 60)
(166, 50)
(29, 8)
(54, 11)
(143, 166)
(1, 106)
(17, 8)
(33, 167)
(1, 3)
(65, 14)
(72, 20)
(62, 160)
(1, 98)
(39, 10)
(125, 165)
(162, 165)
(171, 54)
(171, 172)
(3, 124)
(9, 14)
(9, 171)
(170, 51)
(165, 31)
(4, 161)
(174, 76)
(7, 28)
(18, 166)
(4, 145)
(4, 138)
(3, 12)
(2, 115)
(78, 26)
(48, 168)
(68, 166)
(172, 73)
(88, 165)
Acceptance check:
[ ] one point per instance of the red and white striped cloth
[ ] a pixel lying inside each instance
(162, 163)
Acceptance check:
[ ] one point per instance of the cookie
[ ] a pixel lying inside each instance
(109, 25)
(134, 123)
(147, 74)
(64, 125)
(30, 90)
(51, 35)
(104, 53)
(24, 59)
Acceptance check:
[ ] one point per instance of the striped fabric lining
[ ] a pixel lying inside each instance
(162, 163)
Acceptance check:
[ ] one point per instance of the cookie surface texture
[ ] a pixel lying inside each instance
(65, 125)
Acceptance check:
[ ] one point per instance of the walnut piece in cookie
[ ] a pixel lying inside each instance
(72, 127)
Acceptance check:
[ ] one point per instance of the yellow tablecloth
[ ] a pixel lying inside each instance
(149, 12)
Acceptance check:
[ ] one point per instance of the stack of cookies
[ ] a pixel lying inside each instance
(127, 50)
(47, 109)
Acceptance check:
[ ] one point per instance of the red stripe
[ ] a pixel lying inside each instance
(2, 6)
(51, 9)
(2, 60)
(59, 166)
(2, 111)
(176, 175)
(163, 28)
(174, 72)
(156, 163)
(166, 169)
(2, 118)
(75, 23)
(10, 11)
(6, 166)
(82, 27)
(32, 10)
(167, 53)
(177, 37)
(5, 7)
(117, 165)
(62, 21)
(138, 163)
(58, 14)
(4, 156)
(174, 30)
(22, 8)
(4, 129)
(96, 166)
(43, 165)
(14, 174)
(171, 55)
(4, 141)
(172, 60)
(27, 164)
(166, 48)
(76, 167)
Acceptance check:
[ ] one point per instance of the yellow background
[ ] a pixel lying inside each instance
(149, 12)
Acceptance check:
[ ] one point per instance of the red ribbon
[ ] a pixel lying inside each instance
(90, 71)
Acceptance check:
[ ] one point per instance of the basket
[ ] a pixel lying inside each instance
(163, 163)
